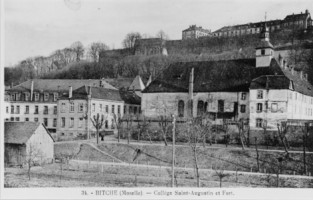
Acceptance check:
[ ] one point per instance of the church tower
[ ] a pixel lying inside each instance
(264, 51)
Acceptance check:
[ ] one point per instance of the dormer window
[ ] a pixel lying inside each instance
(36, 96)
(46, 96)
(55, 96)
(26, 96)
(263, 52)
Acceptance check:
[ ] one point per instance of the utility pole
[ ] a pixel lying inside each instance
(173, 156)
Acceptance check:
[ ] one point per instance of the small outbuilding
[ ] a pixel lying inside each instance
(27, 140)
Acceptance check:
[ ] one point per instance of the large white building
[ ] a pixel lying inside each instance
(263, 91)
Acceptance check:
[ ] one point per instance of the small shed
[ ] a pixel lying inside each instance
(27, 140)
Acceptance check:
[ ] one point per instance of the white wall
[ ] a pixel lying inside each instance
(41, 142)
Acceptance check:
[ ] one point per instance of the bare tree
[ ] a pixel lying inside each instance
(305, 131)
(97, 123)
(79, 50)
(33, 157)
(128, 118)
(129, 41)
(95, 48)
(240, 125)
(162, 35)
(196, 132)
(282, 131)
(164, 124)
(118, 122)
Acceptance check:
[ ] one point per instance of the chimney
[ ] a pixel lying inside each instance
(70, 92)
(292, 71)
(31, 90)
(191, 80)
(301, 75)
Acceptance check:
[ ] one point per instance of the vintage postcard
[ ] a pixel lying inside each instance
(156, 99)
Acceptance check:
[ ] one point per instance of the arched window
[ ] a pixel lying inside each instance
(200, 108)
(181, 108)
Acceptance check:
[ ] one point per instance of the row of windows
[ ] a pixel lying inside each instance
(45, 120)
(301, 97)
(16, 110)
(202, 107)
(259, 107)
(70, 122)
(27, 97)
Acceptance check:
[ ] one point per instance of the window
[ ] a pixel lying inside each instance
(36, 96)
(72, 107)
(26, 96)
(118, 109)
(63, 122)
(46, 96)
(80, 107)
(55, 96)
(55, 122)
(36, 110)
(55, 110)
(107, 109)
(106, 124)
(113, 109)
(259, 123)
(12, 119)
(112, 124)
(72, 122)
(124, 109)
(35, 119)
(17, 96)
(130, 108)
(45, 110)
(200, 108)
(181, 108)
(80, 122)
(259, 107)
(93, 107)
(13, 97)
(12, 109)
(17, 109)
(274, 107)
(260, 94)
(135, 110)
(100, 107)
(7, 109)
(26, 119)
(242, 108)
(220, 105)
(17, 119)
(243, 96)
(26, 109)
(45, 121)
(63, 107)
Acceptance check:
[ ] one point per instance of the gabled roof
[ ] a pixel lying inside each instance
(137, 84)
(96, 93)
(283, 82)
(212, 76)
(264, 44)
(20, 132)
(58, 85)
(301, 16)
(130, 97)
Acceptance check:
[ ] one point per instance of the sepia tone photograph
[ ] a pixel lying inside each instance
(184, 95)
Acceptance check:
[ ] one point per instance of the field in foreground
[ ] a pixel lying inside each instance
(89, 175)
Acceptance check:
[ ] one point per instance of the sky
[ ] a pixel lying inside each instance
(39, 27)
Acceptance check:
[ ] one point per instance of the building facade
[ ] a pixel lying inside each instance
(36, 100)
(302, 21)
(233, 90)
(194, 32)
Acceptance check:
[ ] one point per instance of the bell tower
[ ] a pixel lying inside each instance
(265, 50)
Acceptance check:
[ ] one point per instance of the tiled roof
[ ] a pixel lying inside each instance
(270, 82)
(58, 85)
(119, 82)
(301, 16)
(212, 76)
(264, 44)
(193, 27)
(96, 92)
(130, 97)
(19, 132)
